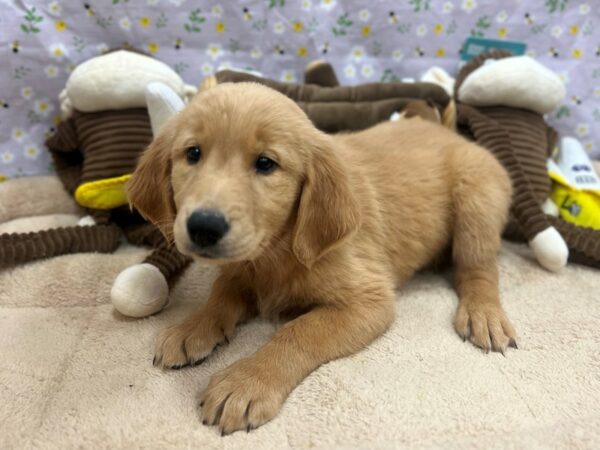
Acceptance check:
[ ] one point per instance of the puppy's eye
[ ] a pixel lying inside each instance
(265, 165)
(193, 154)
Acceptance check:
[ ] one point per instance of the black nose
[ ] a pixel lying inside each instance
(206, 227)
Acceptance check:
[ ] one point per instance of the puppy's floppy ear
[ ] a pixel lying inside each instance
(328, 210)
(149, 189)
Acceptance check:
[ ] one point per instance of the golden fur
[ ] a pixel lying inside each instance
(326, 238)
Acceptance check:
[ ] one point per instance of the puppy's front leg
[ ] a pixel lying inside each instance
(251, 391)
(190, 342)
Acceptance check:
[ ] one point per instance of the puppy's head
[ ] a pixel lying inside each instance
(242, 167)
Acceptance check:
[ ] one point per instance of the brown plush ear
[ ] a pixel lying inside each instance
(328, 210)
(149, 190)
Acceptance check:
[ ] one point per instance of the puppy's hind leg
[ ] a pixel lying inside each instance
(481, 196)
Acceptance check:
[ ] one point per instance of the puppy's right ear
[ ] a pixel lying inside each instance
(149, 190)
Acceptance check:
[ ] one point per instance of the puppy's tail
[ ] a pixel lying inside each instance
(449, 115)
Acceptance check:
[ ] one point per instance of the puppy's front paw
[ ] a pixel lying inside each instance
(187, 344)
(485, 325)
(242, 397)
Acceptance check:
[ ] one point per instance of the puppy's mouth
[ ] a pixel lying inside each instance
(221, 253)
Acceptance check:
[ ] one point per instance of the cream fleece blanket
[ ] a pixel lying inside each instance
(75, 374)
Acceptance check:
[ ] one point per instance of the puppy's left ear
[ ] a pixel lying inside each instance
(328, 211)
(149, 189)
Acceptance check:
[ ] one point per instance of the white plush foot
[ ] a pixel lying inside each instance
(550, 208)
(550, 249)
(140, 291)
(86, 220)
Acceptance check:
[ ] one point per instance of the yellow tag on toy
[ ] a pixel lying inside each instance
(575, 185)
(107, 193)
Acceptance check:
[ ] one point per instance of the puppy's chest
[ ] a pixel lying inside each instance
(276, 298)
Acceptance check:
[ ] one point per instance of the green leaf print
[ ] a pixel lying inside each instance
(404, 28)
(537, 29)
(104, 22)
(274, 3)
(556, 5)
(181, 67)
(388, 76)
(21, 72)
(482, 24)
(31, 19)
(563, 111)
(259, 25)
(597, 115)
(419, 5)
(79, 44)
(451, 29)
(234, 45)
(343, 23)
(161, 21)
(195, 19)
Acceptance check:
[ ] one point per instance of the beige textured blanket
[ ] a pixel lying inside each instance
(74, 374)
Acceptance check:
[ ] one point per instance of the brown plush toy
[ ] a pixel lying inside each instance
(508, 120)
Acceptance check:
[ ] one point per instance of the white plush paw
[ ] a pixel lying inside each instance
(86, 220)
(140, 291)
(550, 249)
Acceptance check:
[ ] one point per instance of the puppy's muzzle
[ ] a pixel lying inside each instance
(206, 227)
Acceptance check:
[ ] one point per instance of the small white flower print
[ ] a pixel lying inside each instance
(306, 5)
(31, 151)
(582, 129)
(43, 107)
(597, 92)
(125, 23)
(54, 8)
(278, 27)
(350, 71)
(102, 48)
(217, 11)
(177, 3)
(207, 69)
(256, 53)
(556, 31)
(530, 53)
(398, 55)
(584, 9)
(328, 5)
(588, 146)
(468, 5)
(226, 65)
(564, 77)
(27, 92)
(18, 134)
(364, 15)
(358, 53)
(422, 30)
(58, 51)
(501, 17)
(367, 71)
(214, 50)
(51, 71)
(288, 76)
(7, 157)
(447, 7)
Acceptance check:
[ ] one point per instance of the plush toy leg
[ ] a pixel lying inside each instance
(321, 73)
(533, 223)
(18, 248)
(583, 243)
(550, 249)
(143, 289)
(139, 291)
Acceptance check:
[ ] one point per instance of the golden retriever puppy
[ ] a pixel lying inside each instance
(322, 227)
